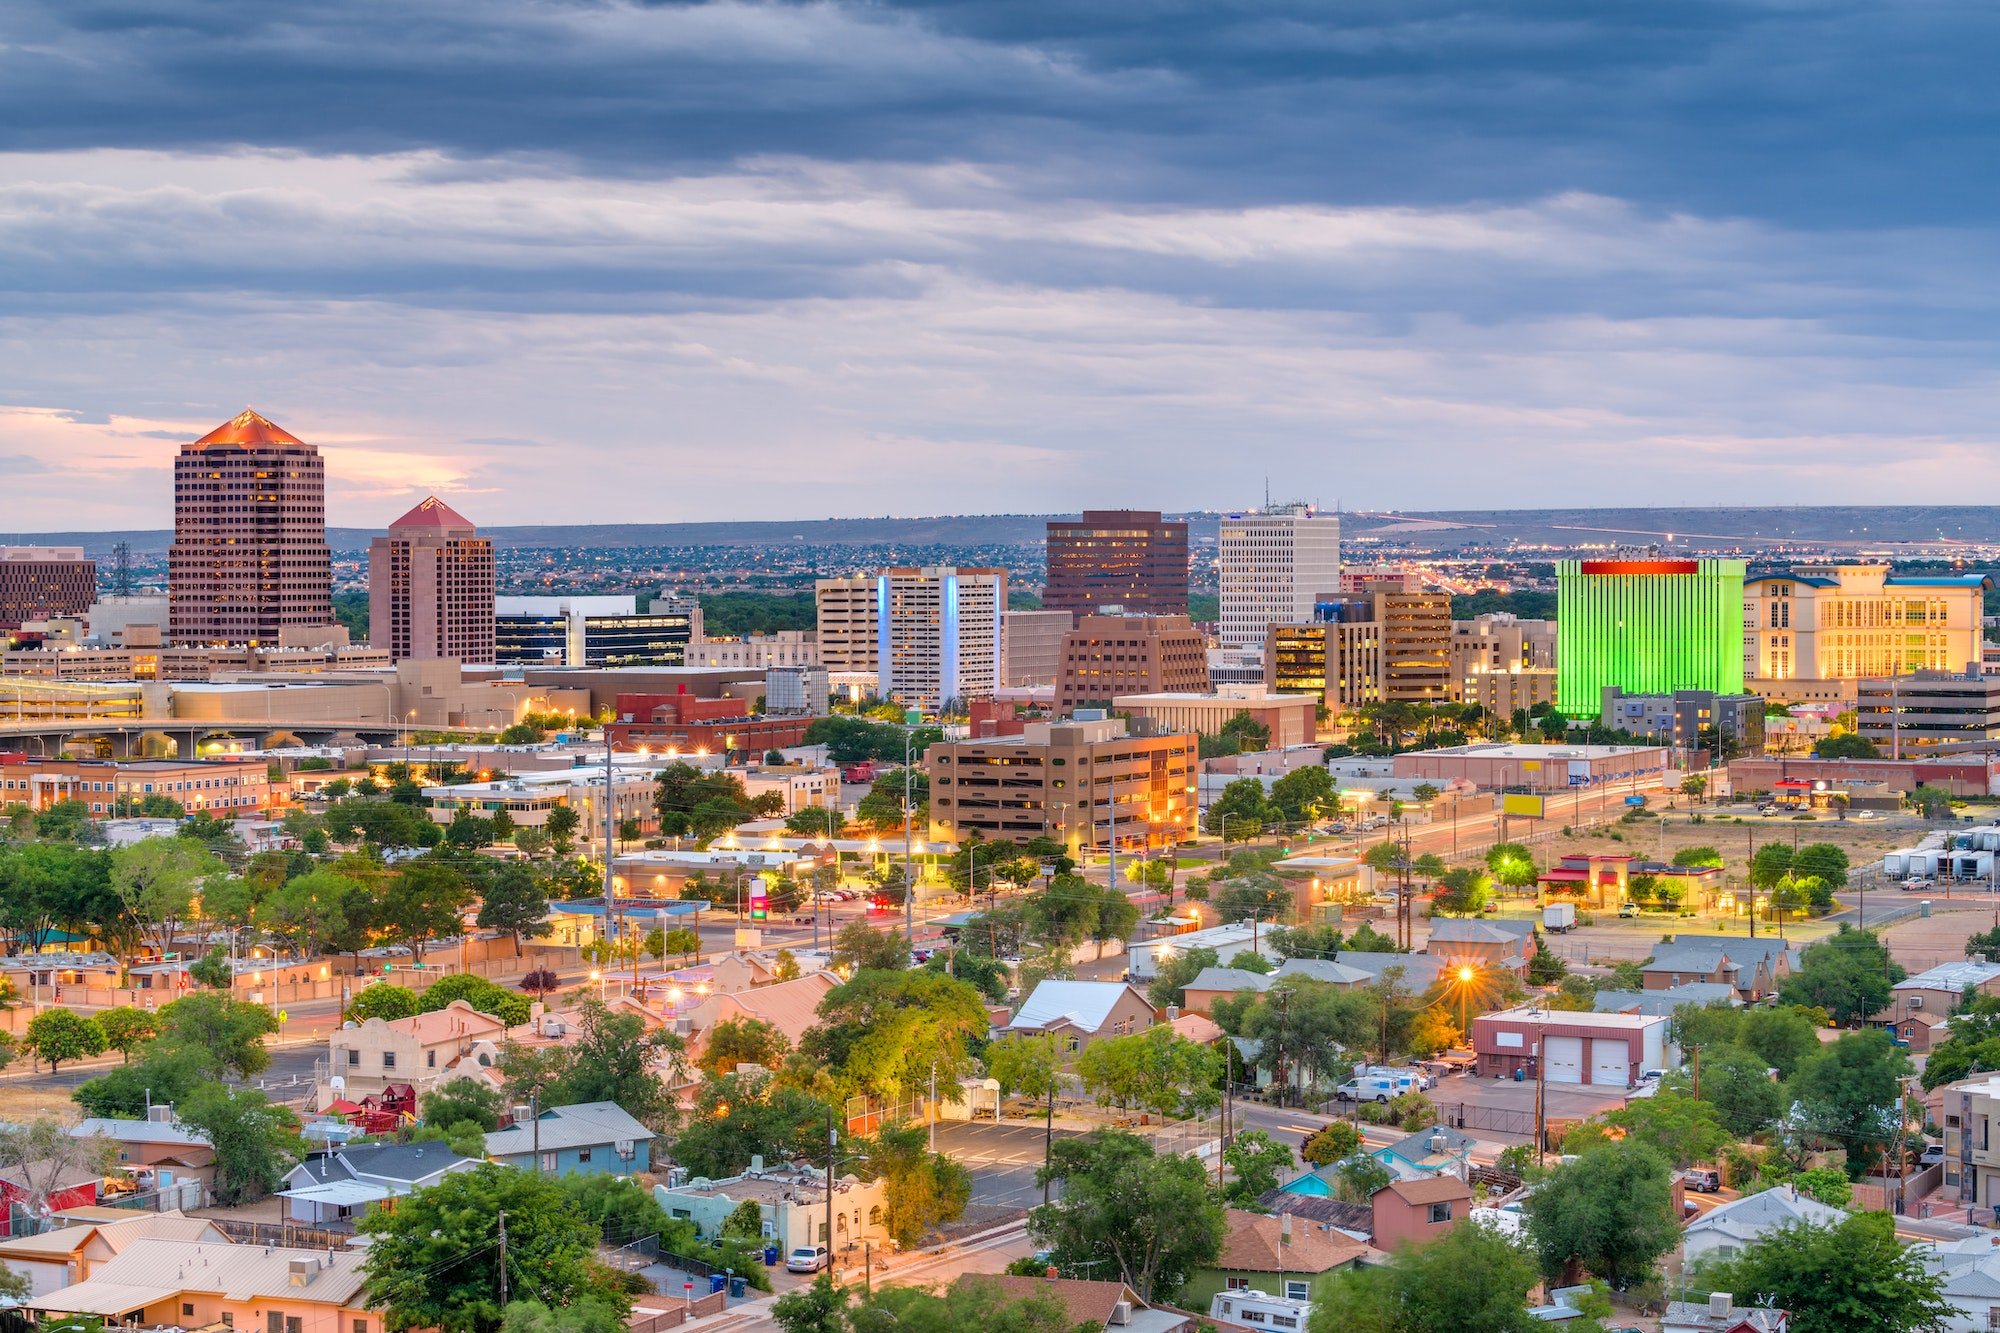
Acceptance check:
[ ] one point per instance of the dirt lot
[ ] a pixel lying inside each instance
(24, 1101)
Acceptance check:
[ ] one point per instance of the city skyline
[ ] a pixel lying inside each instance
(934, 259)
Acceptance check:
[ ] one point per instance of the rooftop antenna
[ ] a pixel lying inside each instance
(1267, 490)
(121, 565)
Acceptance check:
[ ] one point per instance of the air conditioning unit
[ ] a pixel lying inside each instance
(1916, 1002)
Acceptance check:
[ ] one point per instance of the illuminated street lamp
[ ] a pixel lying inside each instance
(1466, 976)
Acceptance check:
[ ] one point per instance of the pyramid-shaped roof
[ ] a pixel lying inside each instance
(247, 428)
(432, 513)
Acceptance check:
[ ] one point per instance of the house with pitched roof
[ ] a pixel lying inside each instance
(1920, 1007)
(1280, 1254)
(1721, 1314)
(1971, 1272)
(789, 1006)
(1753, 968)
(341, 1184)
(1437, 1151)
(159, 1153)
(207, 1284)
(1111, 1307)
(1410, 1212)
(591, 1137)
(1417, 970)
(1724, 1231)
(1470, 942)
(68, 1255)
(1080, 1012)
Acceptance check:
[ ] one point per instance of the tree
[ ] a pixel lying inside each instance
(485, 996)
(738, 1116)
(127, 1029)
(1319, 940)
(613, 1059)
(423, 900)
(584, 1315)
(1694, 784)
(159, 1076)
(1825, 1184)
(1822, 861)
(255, 1142)
(890, 1033)
(1845, 747)
(1240, 811)
(512, 900)
(1304, 794)
(1610, 1212)
(819, 1308)
(1852, 1277)
(922, 1190)
(213, 970)
(1029, 1064)
(1782, 1037)
(1462, 892)
(460, 1100)
(61, 1037)
(1155, 1070)
(431, 1262)
(1679, 1128)
(156, 879)
(561, 826)
(1358, 1178)
(383, 1000)
(41, 1158)
(743, 1041)
(1330, 1143)
(859, 947)
(1696, 857)
(1512, 865)
(1258, 896)
(1256, 1159)
(309, 910)
(1849, 974)
(1736, 1083)
(228, 1032)
(1849, 1094)
(1931, 802)
(1151, 1215)
(1469, 1280)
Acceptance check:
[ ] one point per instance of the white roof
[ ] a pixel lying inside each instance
(1753, 1216)
(1529, 1013)
(1086, 1004)
(342, 1193)
(585, 1125)
(139, 1131)
(1952, 976)
(149, 1270)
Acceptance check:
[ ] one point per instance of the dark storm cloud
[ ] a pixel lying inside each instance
(1809, 112)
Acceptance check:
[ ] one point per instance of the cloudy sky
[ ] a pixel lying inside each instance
(576, 260)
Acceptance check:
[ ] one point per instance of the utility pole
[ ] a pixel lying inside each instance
(503, 1258)
(909, 879)
(535, 1127)
(1541, 1084)
(831, 1141)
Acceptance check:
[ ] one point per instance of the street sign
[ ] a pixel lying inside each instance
(283, 1017)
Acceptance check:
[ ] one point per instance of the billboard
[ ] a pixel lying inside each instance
(1521, 803)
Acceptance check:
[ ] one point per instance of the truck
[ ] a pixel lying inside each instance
(1559, 917)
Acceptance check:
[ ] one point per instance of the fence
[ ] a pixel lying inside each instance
(645, 1319)
(295, 1235)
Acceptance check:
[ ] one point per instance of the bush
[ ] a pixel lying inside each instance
(1413, 1110)
(1372, 1113)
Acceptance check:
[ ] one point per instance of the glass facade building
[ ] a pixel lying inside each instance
(591, 632)
(1647, 627)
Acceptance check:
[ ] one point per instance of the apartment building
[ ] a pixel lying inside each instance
(1106, 656)
(1133, 560)
(1904, 715)
(1073, 781)
(1501, 642)
(1811, 627)
(1274, 565)
(786, 648)
(1031, 647)
(1969, 1110)
(50, 582)
(927, 635)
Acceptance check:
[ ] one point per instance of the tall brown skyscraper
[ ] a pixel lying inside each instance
(430, 587)
(249, 556)
(1127, 558)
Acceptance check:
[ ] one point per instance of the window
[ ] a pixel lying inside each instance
(187, 1307)
(1239, 1284)
(582, 1155)
(388, 1059)
(1440, 1212)
(361, 1326)
(274, 1322)
(1252, 1316)
(431, 1059)
(548, 1161)
(1297, 1291)
(294, 1324)
(228, 1319)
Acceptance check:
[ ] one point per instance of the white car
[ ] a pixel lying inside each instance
(807, 1259)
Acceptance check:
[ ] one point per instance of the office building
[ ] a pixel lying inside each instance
(1903, 715)
(927, 635)
(225, 788)
(1503, 693)
(1290, 718)
(430, 587)
(801, 690)
(590, 631)
(1648, 626)
(1106, 656)
(1274, 565)
(1686, 717)
(1031, 647)
(1501, 642)
(786, 648)
(1809, 628)
(249, 555)
(1072, 781)
(1388, 643)
(1129, 559)
(46, 583)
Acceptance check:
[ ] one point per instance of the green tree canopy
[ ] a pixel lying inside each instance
(1853, 1277)
(1151, 1215)
(255, 1142)
(1849, 974)
(1469, 1280)
(1609, 1213)
(1848, 1094)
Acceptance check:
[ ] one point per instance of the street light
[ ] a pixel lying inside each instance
(1465, 979)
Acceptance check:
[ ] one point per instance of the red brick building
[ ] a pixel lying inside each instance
(682, 721)
(225, 788)
(1106, 656)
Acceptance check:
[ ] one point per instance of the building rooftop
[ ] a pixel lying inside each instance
(1085, 1004)
(584, 1125)
(1255, 1242)
(247, 429)
(153, 1270)
(432, 513)
(1952, 976)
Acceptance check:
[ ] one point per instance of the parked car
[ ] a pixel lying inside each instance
(807, 1259)
(1932, 1154)
(1628, 909)
(1651, 1075)
(1703, 1178)
(1917, 882)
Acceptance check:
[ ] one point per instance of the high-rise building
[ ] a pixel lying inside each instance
(1131, 559)
(1812, 632)
(1388, 643)
(249, 555)
(1106, 656)
(1907, 715)
(1082, 783)
(1274, 565)
(591, 631)
(927, 635)
(1031, 646)
(430, 587)
(1648, 626)
(43, 583)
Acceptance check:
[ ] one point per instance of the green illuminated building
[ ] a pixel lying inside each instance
(1648, 627)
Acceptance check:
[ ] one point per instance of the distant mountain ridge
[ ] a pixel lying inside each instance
(1707, 527)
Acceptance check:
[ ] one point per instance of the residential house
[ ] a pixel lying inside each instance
(1664, 1002)
(336, 1186)
(1753, 967)
(793, 1203)
(1100, 1307)
(163, 1157)
(1919, 1006)
(1281, 1255)
(1969, 1109)
(423, 1051)
(209, 1284)
(1215, 982)
(1470, 942)
(1437, 1151)
(1410, 1212)
(1417, 971)
(1971, 1272)
(1353, 1220)
(590, 1137)
(1721, 1314)
(31, 1191)
(1080, 1012)
(68, 1255)
(789, 1006)
(1724, 1231)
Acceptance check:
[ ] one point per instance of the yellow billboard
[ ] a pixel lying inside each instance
(1519, 803)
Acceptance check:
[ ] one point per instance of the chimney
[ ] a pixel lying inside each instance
(756, 1163)
(1173, 1012)
(1720, 1303)
(1284, 1228)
